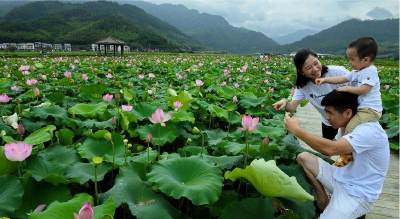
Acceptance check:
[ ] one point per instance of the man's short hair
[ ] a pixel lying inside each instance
(366, 47)
(341, 101)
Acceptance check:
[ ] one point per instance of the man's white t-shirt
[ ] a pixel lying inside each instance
(315, 93)
(364, 176)
(367, 76)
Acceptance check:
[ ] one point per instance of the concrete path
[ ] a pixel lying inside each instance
(387, 205)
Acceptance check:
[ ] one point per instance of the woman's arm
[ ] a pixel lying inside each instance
(289, 106)
(331, 80)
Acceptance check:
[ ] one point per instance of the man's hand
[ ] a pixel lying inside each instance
(291, 124)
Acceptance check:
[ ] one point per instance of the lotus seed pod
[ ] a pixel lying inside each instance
(108, 136)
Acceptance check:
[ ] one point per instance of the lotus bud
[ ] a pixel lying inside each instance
(40, 208)
(196, 130)
(79, 144)
(113, 121)
(129, 145)
(139, 148)
(189, 140)
(265, 142)
(125, 141)
(149, 137)
(97, 160)
(108, 136)
(20, 129)
(117, 96)
(2, 133)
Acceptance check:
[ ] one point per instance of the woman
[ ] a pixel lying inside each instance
(308, 69)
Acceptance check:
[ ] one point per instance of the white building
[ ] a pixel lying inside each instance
(57, 47)
(47, 46)
(67, 47)
(38, 45)
(30, 46)
(3, 45)
(21, 46)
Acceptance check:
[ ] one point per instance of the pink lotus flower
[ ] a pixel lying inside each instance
(266, 81)
(4, 98)
(31, 82)
(158, 60)
(128, 65)
(149, 137)
(26, 73)
(14, 88)
(109, 76)
(268, 73)
(43, 77)
(387, 86)
(177, 105)
(292, 90)
(127, 108)
(237, 84)
(36, 91)
(76, 61)
(159, 117)
(223, 83)
(86, 212)
(272, 89)
(235, 99)
(20, 129)
(151, 75)
(24, 67)
(248, 123)
(84, 77)
(17, 151)
(5, 67)
(265, 142)
(67, 74)
(108, 97)
(199, 83)
(141, 76)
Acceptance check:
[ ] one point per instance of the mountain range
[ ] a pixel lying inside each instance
(174, 28)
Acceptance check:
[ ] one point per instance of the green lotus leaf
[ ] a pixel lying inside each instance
(7, 129)
(393, 131)
(190, 177)
(184, 97)
(127, 117)
(89, 110)
(226, 199)
(40, 136)
(247, 102)
(47, 171)
(227, 92)
(290, 140)
(225, 162)
(11, 192)
(172, 92)
(191, 151)
(130, 187)
(269, 180)
(303, 209)
(234, 148)
(11, 120)
(64, 210)
(250, 208)
(143, 110)
(60, 154)
(32, 124)
(57, 97)
(129, 95)
(100, 134)
(221, 113)
(92, 147)
(7, 167)
(53, 111)
(182, 116)
(394, 145)
(65, 136)
(167, 133)
(272, 132)
(38, 193)
(93, 91)
(85, 171)
(90, 123)
(215, 137)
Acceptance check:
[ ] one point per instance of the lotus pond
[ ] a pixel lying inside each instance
(155, 136)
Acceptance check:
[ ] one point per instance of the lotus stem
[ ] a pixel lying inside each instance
(148, 156)
(126, 149)
(113, 163)
(95, 184)
(202, 144)
(19, 170)
(159, 144)
(247, 151)
(229, 124)
(209, 124)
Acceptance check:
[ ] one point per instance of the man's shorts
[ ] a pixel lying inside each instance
(342, 205)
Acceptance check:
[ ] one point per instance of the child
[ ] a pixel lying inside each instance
(365, 83)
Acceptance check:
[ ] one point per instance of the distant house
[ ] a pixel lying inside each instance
(3, 45)
(67, 47)
(126, 48)
(21, 46)
(95, 47)
(47, 46)
(57, 47)
(30, 46)
(13, 44)
(38, 45)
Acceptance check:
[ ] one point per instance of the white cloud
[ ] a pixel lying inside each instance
(281, 17)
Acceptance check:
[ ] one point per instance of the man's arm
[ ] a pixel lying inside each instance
(322, 145)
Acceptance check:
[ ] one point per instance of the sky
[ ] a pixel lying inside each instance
(280, 17)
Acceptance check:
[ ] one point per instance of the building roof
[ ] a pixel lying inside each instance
(111, 40)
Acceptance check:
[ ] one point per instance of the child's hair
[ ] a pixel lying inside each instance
(299, 59)
(341, 101)
(366, 47)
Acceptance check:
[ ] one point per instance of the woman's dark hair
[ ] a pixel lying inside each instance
(341, 101)
(299, 59)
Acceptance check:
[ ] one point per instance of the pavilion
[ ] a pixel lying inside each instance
(108, 42)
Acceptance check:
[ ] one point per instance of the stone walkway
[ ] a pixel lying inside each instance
(387, 205)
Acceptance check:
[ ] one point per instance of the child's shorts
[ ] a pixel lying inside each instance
(363, 115)
(342, 205)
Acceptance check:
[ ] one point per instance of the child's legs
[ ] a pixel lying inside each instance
(362, 116)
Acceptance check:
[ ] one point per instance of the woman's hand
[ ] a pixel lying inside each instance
(319, 81)
(280, 104)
